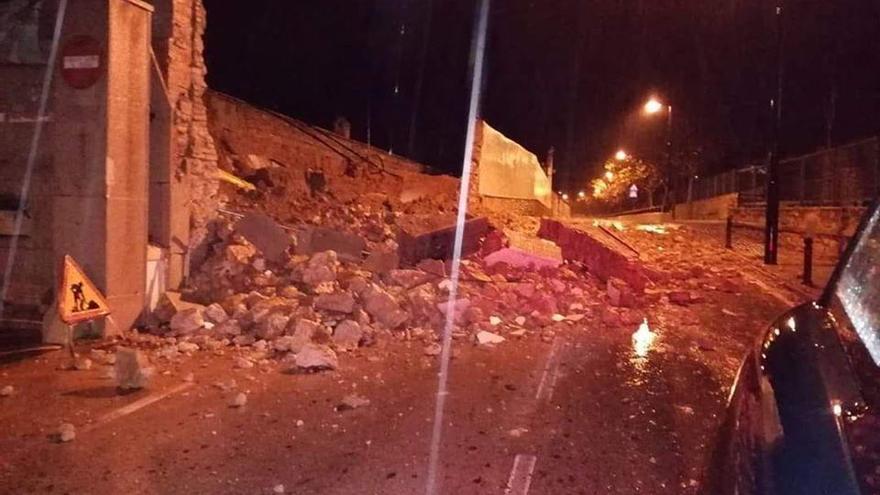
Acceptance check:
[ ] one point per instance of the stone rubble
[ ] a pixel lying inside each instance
(305, 311)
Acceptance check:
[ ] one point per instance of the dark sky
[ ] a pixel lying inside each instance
(568, 73)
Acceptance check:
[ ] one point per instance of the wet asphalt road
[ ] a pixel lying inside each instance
(581, 410)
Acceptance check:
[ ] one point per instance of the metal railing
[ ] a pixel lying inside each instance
(847, 174)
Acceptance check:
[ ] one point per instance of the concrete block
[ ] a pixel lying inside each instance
(439, 243)
(265, 234)
(348, 247)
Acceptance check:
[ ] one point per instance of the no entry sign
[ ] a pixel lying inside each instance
(82, 61)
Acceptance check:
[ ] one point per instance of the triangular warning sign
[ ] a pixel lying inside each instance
(78, 298)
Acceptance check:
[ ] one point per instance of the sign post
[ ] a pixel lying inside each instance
(78, 299)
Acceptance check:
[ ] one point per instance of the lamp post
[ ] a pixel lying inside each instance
(652, 107)
(771, 227)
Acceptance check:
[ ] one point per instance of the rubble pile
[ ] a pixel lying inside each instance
(303, 311)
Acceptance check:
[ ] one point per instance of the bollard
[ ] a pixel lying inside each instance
(728, 240)
(808, 261)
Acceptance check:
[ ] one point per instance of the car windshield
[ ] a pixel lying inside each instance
(858, 288)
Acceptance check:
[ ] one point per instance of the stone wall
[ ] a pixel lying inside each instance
(178, 31)
(715, 208)
(832, 221)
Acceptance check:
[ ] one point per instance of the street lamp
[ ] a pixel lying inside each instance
(652, 107)
(621, 155)
(582, 194)
(564, 197)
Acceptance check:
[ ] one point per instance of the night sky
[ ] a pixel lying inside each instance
(572, 74)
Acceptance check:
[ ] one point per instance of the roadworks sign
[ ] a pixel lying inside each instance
(78, 298)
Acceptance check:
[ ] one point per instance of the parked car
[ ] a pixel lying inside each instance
(803, 415)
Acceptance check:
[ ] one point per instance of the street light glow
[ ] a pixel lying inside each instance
(653, 106)
(609, 175)
(582, 194)
(564, 197)
(621, 155)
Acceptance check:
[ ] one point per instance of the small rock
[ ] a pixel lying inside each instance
(187, 347)
(433, 349)
(6, 391)
(187, 321)
(484, 337)
(347, 335)
(66, 432)
(239, 400)
(243, 363)
(132, 369)
(278, 488)
(340, 302)
(494, 321)
(215, 313)
(300, 423)
(520, 320)
(557, 317)
(352, 401)
(316, 357)
(189, 377)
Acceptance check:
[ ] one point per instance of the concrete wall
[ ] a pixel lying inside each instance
(507, 177)
(715, 208)
(507, 170)
(89, 189)
(25, 33)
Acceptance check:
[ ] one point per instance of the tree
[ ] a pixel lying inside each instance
(612, 188)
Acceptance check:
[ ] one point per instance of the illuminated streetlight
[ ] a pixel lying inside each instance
(564, 197)
(582, 195)
(609, 175)
(621, 155)
(653, 106)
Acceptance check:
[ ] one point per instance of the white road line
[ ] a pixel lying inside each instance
(521, 475)
(552, 387)
(547, 367)
(135, 406)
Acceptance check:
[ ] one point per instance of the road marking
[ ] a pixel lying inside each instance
(136, 406)
(550, 369)
(521, 475)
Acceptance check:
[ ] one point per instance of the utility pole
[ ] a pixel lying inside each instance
(771, 229)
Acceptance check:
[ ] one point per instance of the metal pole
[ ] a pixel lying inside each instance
(808, 261)
(669, 148)
(771, 230)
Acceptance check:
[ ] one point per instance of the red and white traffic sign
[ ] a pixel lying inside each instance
(82, 60)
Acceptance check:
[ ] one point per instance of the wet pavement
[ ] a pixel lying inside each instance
(592, 409)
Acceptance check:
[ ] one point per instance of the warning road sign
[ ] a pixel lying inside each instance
(78, 298)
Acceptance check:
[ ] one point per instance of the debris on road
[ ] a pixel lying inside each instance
(239, 400)
(352, 401)
(315, 357)
(66, 433)
(132, 369)
(6, 391)
(484, 337)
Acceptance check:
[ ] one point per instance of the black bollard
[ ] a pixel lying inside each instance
(728, 240)
(808, 261)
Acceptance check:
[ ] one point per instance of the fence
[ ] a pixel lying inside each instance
(847, 174)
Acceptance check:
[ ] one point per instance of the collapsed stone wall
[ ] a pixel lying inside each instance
(179, 27)
(250, 138)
